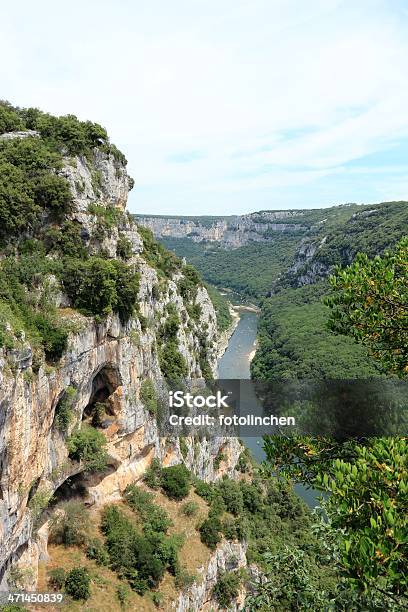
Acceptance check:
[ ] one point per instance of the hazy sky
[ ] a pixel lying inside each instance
(226, 106)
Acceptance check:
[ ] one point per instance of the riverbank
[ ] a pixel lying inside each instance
(225, 336)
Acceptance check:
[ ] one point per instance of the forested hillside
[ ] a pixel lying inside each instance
(286, 273)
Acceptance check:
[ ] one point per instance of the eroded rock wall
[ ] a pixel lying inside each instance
(33, 452)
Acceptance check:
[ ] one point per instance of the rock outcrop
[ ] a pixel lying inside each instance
(104, 355)
(230, 232)
(228, 557)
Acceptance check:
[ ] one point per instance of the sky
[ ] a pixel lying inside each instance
(226, 106)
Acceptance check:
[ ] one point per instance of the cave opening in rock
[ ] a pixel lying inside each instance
(103, 406)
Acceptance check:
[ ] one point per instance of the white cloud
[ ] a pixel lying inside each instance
(274, 98)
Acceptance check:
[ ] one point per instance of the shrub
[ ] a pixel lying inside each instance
(232, 495)
(124, 247)
(157, 598)
(154, 517)
(122, 593)
(77, 583)
(152, 476)
(210, 532)
(226, 588)
(183, 579)
(190, 508)
(88, 445)
(98, 286)
(70, 525)
(97, 551)
(183, 447)
(56, 578)
(175, 481)
(63, 410)
(148, 396)
(205, 490)
(136, 557)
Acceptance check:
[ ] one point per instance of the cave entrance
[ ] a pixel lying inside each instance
(104, 402)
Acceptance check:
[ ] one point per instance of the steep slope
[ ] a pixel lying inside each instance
(91, 308)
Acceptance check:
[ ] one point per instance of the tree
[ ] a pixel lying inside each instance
(367, 483)
(88, 445)
(77, 583)
(370, 303)
(175, 481)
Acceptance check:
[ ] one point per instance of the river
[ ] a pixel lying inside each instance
(235, 364)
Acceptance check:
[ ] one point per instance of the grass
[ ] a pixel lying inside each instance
(193, 556)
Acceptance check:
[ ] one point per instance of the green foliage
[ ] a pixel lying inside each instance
(152, 475)
(190, 508)
(210, 532)
(122, 593)
(124, 247)
(290, 582)
(98, 286)
(154, 253)
(176, 481)
(56, 578)
(226, 589)
(140, 558)
(172, 363)
(183, 447)
(27, 312)
(78, 583)
(29, 186)
(88, 446)
(245, 461)
(39, 501)
(221, 307)
(294, 341)
(97, 551)
(154, 517)
(231, 493)
(70, 525)
(148, 396)
(251, 270)
(204, 490)
(369, 302)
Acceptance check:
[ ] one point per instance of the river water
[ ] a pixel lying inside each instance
(235, 364)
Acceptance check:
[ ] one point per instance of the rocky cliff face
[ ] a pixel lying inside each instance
(104, 356)
(230, 232)
(228, 557)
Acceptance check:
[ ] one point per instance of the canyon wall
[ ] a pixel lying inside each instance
(104, 355)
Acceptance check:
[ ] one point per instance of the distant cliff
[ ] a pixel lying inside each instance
(230, 232)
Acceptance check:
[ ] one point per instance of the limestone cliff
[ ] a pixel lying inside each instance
(105, 357)
(229, 232)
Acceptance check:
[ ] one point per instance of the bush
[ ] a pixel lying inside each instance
(232, 495)
(124, 247)
(98, 286)
(205, 490)
(175, 481)
(88, 445)
(148, 396)
(209, 532)
(154, 517)
(190, 508)
(97, 551)
(183, 447)
(226, 588)
(63, 410)
(70, 525)
(77, 583)
(56, 578)
(152, 475)
(122, 593)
